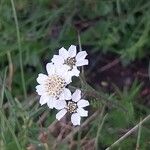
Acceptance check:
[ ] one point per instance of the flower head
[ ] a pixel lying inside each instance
(71, 58)
(74, 107)
(53, 86)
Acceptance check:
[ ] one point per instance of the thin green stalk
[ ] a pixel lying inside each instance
(3, 88)
(10, 129)
(19, 47)
(80, 49)
(118, 7)
(79, 141)
(100, 125)
(2, 123)
(79, 40)
(99, 130)
(139, 136)
(10, 72)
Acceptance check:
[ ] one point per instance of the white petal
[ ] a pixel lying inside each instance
(75, 119)
(40, 89)
(72, 51)
(76, 96)
(83, 103)
(50, 68)
(75, 72)
(51, 103)
(82, 62)
(82, 112)
(44, 99)
(60, 104)
(81, 55)
(65, 95)
(62, 70)
(68, 79)
(64, 53)
(41, 78)
(61, 113)
(58, 60)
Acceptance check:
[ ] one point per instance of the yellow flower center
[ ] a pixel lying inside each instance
(71, 107)
(70, 62)
(54, 85)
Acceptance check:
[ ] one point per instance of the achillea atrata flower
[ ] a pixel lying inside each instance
(74, 106)
(53, 86)
(71, 58)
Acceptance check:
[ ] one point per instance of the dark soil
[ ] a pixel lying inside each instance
(107, 70)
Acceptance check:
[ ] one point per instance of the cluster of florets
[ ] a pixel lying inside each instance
(53, 89)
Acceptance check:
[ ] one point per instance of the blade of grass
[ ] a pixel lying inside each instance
(10, 129)
(101, 122)
(10, 72)
(3, 88)
(19, 47)
(12, 106)
(2, 123)
(118, 7)
(80, 49)
(79, 141)
(99, 130)
(139, 136)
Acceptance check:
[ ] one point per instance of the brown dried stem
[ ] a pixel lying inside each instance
(128, 133)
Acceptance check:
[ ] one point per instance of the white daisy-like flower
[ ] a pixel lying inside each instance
(53, 86)
(75, 107)
(71, 58)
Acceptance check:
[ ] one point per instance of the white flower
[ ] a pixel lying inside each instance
(71, 58)
(75, 107)
(52, 86)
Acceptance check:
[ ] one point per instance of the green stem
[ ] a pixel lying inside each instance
(139, 136)
(99, 130)
(19, 47)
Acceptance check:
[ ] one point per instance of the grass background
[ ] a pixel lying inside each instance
(32, 31)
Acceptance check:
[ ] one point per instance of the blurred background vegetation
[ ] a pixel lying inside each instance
(32, 31)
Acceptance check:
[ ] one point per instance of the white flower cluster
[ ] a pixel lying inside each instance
(52, 87)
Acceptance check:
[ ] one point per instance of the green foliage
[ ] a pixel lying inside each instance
(127, 98)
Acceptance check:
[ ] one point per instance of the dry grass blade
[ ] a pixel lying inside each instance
(128, 133)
